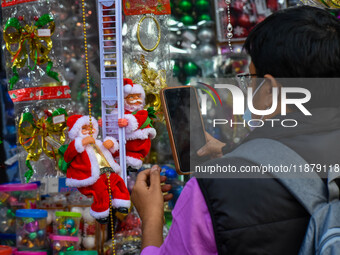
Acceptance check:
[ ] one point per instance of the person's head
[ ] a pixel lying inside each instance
(299, 42)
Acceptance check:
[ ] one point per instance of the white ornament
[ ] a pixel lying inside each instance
(49, 217)
(89, 242)
(87, 216)
(78, 210)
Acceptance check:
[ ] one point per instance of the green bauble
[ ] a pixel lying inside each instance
(190, 69)
(205, 17)
(185, 6)
(187, 20)
(202, 5)
(32, 236)
(62, 232)
(176, 70)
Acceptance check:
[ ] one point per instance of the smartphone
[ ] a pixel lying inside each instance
(185, 126)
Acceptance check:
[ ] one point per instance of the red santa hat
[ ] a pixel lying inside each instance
(76, 122)
(130, 88)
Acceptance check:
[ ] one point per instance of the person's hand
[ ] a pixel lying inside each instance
(123, 123)
(212, 148)
(88, 140)
(147, 195)
(108, 144)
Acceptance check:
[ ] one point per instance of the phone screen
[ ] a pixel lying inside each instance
(186, 125)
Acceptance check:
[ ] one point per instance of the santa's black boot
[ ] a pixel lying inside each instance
(103, 220)
(123, 210)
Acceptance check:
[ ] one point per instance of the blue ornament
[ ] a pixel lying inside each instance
(41, 233)
(69, 223)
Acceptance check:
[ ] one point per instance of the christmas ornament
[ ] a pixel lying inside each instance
(172, 38)
(185, 6)
(152, 82)
(202, 5)
(244, 21)
(31, 224)
(27, 42)
(67, 223)
(91, 163)
(62, 244)
(158, 29)
(176, 70)
(187, 20)
(190, 69)
(87, 216)
(33, 131)
(207, 50)
(206, 34)
(138, 124)
(229, 26)
(204, 17)
(89, 242)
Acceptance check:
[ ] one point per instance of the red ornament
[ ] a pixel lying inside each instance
(36, 18)
(21, 18)
(238, 6)
(272, 5)
(244, 21)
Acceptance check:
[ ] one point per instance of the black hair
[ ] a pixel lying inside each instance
(299, 42)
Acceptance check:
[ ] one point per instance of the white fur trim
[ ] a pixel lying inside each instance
(121, 203)
(141, 134)
(136, 89)
(100, 215)
(78, 144)
(115, 143)
(134, 162)
(132, 123)
(127, 89)
(85, 120)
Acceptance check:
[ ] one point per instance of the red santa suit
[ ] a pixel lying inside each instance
(138, 132)
(138, 135)
(84, 170)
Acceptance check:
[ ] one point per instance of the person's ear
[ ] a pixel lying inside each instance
(271, 83)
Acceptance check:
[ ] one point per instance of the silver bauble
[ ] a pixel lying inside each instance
(206, 35)
(207, 50)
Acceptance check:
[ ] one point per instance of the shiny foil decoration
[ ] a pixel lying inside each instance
(32, 133)
(332, 4)
(152, 81)
(26, 41)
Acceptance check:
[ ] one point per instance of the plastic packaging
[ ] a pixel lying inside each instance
(31, 229)
(61, 244)
(13, 197)
(67, 223)
(30, 253)
(81, 253)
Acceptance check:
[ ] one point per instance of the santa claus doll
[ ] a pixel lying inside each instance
(92, 168)
(138, 125)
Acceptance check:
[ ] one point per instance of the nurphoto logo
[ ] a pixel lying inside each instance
(239, 105)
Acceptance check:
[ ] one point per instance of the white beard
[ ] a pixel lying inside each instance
(133, 108)
(80, 134)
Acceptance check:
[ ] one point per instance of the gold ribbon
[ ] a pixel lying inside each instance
(16, 36)
(32, 134)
